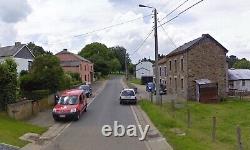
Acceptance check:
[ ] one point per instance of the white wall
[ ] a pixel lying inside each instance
(238, 85)
(22, 64)
(143, 72)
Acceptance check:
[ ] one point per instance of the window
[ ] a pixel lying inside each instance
(243, 82)
(165, 71)
(170, 65)
(175, 83)
(160, 81)
(182, 64)
(85, 77)
(170, 81)
(160, 70)
(29, 65)
(175, 65)
(182, 84)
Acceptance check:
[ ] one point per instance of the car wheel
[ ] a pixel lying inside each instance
(77, 116)
(121, 102)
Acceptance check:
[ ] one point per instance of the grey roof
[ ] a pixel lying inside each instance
(203, 81)
(70, 63)
(239, 74)
(79, 57)
(10, 50)
(190, 44)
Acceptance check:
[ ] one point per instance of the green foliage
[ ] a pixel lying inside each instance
(8, 82)
(23, 72)
(37, 50)
(66, 83)
(46, 73)
(231, 60)
(242, 64)
(35, 94)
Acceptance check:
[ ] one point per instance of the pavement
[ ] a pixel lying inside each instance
(103, 109)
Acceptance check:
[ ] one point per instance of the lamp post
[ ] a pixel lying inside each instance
(158, 101)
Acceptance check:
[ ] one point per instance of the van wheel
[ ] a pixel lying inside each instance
(85, 110)
(77, 117)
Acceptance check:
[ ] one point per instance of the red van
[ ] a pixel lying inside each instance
(70, 105)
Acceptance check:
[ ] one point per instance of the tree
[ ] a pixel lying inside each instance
(45, 73)
(242, 64)
(8, 82)
(231, 60)
(115, 65)
(37, 50)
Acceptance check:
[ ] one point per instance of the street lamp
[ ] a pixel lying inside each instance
(158, 99)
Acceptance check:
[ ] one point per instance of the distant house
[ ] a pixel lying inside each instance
(20, 53)
(74, 63)
(239, 79)
(197, 70)
(144, 68)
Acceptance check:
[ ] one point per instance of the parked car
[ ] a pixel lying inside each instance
(150, 87)
(87, 89)
(128, 96)
(71, 105)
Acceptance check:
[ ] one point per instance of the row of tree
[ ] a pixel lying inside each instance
(234, 62)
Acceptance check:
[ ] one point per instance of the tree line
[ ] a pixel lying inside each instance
(235, 62)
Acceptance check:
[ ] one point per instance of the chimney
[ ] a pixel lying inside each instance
(17, 43)
(65, 50)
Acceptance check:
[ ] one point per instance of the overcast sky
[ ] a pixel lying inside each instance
(53, 24)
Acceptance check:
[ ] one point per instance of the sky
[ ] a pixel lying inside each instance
(59, 24)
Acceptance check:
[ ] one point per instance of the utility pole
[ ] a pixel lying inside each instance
(157, 81)
(126, 66)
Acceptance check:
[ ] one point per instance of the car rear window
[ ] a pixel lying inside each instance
(68, 100)
(128, 93)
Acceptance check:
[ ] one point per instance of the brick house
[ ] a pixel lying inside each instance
(197, 62)
(74, 63)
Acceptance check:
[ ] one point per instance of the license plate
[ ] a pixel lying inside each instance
(62, 116)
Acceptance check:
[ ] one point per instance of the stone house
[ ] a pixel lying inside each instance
(202, 59)
(71, 62)
(20, 53)
(162, 70)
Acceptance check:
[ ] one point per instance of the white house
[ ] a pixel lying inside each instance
(239, 79)
(144, 68)
(20, 53)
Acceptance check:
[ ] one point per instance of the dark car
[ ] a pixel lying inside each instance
(87, 89)
(150, 87)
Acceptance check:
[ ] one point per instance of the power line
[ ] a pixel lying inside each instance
(175, 9)
(101, 29)
(142, 42)
(182, 12)
(172, 42)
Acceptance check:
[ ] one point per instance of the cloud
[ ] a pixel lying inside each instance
(53, 24)
(12, 11)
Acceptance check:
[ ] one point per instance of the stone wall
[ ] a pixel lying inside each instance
(25, 109)
(207, 61)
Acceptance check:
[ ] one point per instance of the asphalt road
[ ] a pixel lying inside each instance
(86, 134)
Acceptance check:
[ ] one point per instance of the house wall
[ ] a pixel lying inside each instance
(163, 73)
(207, 61)
(143, 72)
(22, 63)
(177, 75)
(238, 85)
(86, 69)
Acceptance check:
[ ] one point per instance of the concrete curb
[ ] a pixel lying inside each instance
(154, 139)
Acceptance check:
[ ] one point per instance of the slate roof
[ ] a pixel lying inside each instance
(79, 57)
(239, 74)
(10, 50)
(187, 46)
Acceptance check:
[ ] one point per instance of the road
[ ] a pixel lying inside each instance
(86, 134)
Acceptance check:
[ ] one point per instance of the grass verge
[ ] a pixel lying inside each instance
(11, 130)
(229, 114)
(135, 81)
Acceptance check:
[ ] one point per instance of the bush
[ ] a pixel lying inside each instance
(36, 94)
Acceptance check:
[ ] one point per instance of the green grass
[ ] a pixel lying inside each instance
(229, 114)
(11, 130)
(135, 81)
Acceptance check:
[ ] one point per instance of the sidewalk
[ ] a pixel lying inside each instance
(55, 128)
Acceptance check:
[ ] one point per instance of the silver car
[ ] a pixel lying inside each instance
(128, 96)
